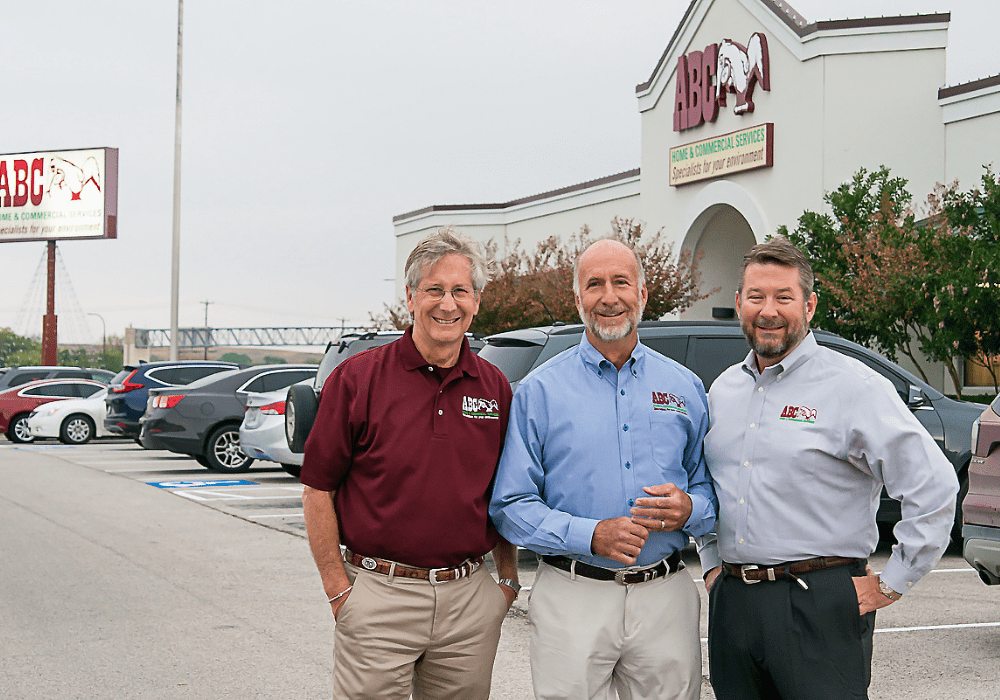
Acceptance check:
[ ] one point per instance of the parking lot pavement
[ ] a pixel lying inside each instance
(941, 640)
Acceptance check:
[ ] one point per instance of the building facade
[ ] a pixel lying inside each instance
(750, 116)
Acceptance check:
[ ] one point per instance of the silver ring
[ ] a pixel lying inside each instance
(663, 525)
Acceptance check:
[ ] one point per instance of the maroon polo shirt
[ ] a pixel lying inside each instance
(411, 456)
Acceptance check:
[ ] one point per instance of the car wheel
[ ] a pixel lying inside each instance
(293, 469)
(224, 452)
(76, 430)
(17, 429)
(300, 413)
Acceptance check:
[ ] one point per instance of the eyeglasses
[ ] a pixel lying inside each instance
(459, 294)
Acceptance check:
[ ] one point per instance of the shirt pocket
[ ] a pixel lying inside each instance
(668, 436)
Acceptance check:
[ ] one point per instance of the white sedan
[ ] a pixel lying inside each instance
(73, 421)
(262, 434)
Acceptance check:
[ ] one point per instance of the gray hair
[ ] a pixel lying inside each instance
(444, 241)
(576, 263)
(778, 250)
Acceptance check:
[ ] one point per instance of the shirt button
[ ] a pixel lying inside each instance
(625, 427)
(760, 389)
(440, 412)
(746, 464)
(741, 540)
(623, 392)
(430, 369)
(742, 501)
(628, 465)
(630, 502)
(752, 426)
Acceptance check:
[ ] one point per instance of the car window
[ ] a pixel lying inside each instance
(708, 357)
(120, 377)
(71, 374)
(85, 391)
(211, 378)
(60, 390)
(512, 357)
(181, 376)
(26, 377)
(103, 376)
(278, 379)
(674, 346)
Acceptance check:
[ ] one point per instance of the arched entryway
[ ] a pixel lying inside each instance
(724, 223)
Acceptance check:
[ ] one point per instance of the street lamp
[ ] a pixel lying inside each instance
(104, 340)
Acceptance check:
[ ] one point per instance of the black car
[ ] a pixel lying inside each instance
(303, 400)
(710, 347)
(203, 418)
(16, 376)
(129, 389)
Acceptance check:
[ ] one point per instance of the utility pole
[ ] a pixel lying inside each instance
(208, 333)
(104, 341)
(175, 249)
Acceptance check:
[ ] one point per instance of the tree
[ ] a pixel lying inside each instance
(536, 288)
(888, 281)
(18, 350)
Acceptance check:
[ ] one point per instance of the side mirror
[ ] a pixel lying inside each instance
(916, 399)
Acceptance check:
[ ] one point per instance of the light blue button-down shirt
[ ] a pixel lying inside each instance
(800, 452)
(583, 440)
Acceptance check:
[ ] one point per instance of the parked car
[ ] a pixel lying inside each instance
(202, 419)
(303, 400)
(17, 403)
(16, 376)
(709, 347)
(262, 433)
(981, 507)
(130, 389)
(73, 421)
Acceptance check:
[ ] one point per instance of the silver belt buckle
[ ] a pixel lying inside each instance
(369, 564)
(622, 573)
(744, 568)
(432, 575)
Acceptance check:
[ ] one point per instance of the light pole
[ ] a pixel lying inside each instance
(104, 340)
(175, 248)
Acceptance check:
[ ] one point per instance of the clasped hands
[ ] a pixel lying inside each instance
(666, 508)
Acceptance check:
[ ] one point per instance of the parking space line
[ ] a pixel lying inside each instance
(271, 515)
(220, 496)
(967, 625)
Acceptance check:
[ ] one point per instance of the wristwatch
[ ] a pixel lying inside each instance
(511, 584)
(886, 591)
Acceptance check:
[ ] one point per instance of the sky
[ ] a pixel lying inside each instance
(308, 124)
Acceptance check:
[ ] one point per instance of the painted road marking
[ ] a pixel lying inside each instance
(206, 496)
(200, 484)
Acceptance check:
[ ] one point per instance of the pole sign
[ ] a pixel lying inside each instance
(59, 195)
(746, 149)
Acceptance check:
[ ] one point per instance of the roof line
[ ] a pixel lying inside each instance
(524, 200)
(970, 86)
(802, 28)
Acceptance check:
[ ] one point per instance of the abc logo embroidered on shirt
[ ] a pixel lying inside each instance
(799, 414)
(669, 402)
(480, 408)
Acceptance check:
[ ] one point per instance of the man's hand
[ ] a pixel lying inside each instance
(710, 577)
(869, 596)
(668, 509)
(508, 593)
(338, 604)
(619, 539)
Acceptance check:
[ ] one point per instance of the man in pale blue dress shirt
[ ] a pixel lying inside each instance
(802, 440)
(603, 475)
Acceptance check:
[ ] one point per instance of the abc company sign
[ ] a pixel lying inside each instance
(59, 195)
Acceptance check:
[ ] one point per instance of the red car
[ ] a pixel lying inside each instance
(17, 403)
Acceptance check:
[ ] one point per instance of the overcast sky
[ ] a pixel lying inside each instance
(308, 124)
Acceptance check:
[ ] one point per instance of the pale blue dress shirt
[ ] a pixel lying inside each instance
(799, 453)
(583, 440)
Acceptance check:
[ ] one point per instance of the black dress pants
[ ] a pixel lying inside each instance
(774, 640)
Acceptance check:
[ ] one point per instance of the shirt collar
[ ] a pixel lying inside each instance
(598, 363)
(802, 352)
(411, 358)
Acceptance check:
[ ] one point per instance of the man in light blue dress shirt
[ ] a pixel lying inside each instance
(603, 475)
(802, 440)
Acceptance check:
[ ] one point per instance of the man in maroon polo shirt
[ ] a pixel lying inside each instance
(398, 468)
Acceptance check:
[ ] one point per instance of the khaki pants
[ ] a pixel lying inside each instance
(436, 641)
(589, 636)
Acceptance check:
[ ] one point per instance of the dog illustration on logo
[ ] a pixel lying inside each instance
(68, 179)
(739, 69)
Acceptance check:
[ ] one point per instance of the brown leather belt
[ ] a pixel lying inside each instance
(385, 566)
(625, 577)
(754, 573)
